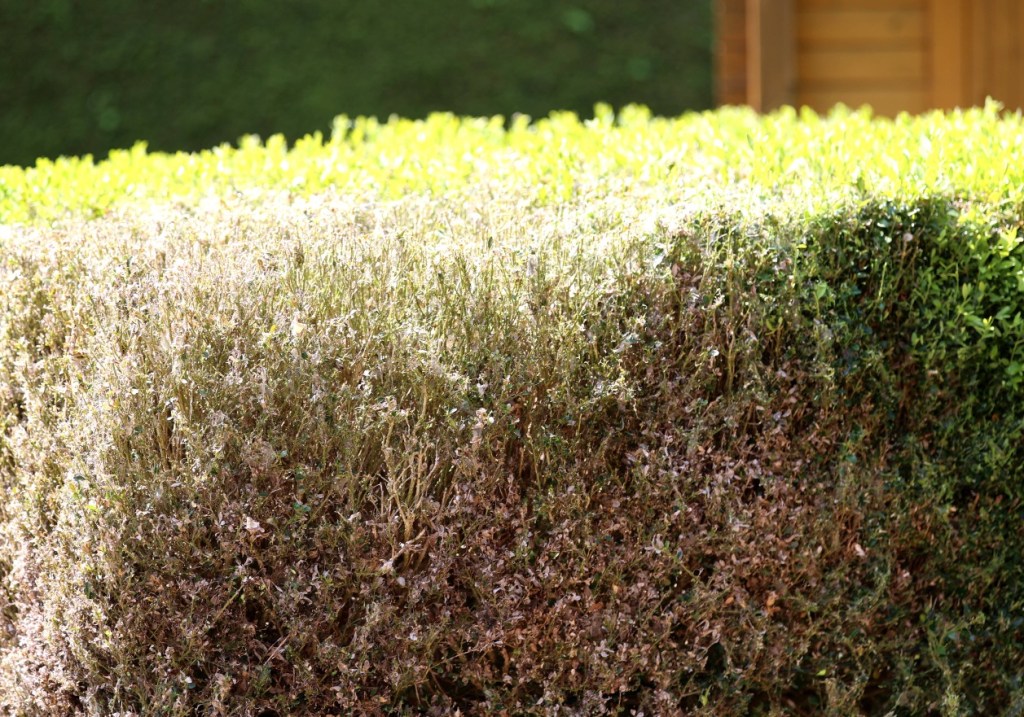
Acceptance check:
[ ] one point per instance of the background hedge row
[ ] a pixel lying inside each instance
(88, 77)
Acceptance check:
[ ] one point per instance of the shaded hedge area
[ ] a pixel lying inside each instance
(87, 77)
(309, 457)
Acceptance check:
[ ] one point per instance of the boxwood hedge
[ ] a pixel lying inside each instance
(710, 415)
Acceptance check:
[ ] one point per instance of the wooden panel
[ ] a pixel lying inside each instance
(731, 52)
(1004, 84)
(733, 61)
(994, 52)
(983, 58)
(732, 66)
(977, 45)
(731, 80)
(949, 28)
(862, 27)
(730, 13)
(888, 102)
(1020, 57)
(998, 49)
(771, 54)
(868, 66)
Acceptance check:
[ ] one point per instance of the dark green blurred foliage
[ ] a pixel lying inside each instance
(88, 76)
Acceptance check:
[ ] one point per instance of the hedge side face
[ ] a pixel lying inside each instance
(713, 415)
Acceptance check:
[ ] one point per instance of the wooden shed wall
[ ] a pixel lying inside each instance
(896, 55)
(862, 52)
(994, 46)
(731, 57)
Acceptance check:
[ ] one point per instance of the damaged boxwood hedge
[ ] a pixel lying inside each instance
(718, 415)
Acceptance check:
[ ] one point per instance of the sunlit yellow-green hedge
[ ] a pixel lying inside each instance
(795, 154)
(712, 415)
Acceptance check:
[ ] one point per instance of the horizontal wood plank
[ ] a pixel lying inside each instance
(866, 66)
(733, 58)
(730, 17)
(863, 4)
(862, 27)
(732, 96)
(884, 101)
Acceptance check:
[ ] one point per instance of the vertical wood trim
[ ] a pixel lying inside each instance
(950, 57)
(1005, 81)
(754, 89)
(771, 54)
(1020, 58)
(731, 59)
(719, 60)
(1000, 41)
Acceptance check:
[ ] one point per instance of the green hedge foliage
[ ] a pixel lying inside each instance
(710, 415)
(85, 78)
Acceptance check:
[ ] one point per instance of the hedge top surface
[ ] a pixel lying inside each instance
(821, 161)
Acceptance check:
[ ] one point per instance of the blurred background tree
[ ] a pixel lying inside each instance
(85, 76)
